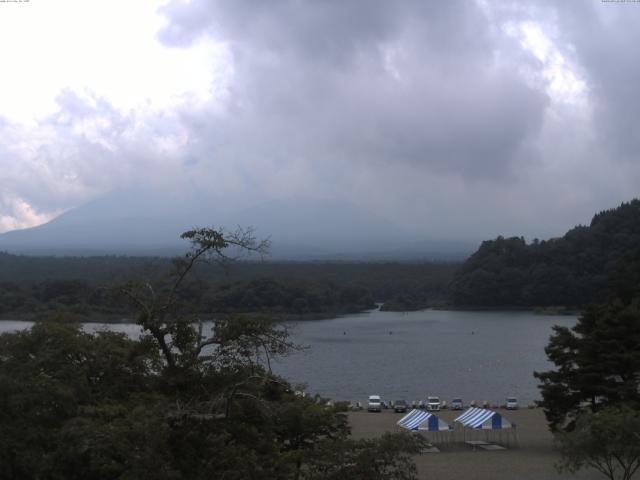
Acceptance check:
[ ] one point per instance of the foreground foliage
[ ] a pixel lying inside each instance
(607, 440)
(178, 403)
(388, 458)
(592, 398)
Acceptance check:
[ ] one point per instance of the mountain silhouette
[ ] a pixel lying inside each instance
(127, 222)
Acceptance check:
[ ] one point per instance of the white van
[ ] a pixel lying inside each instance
(433, 403)
(375, 403)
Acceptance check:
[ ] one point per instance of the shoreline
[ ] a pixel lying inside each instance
(115, 318)
(118, 319)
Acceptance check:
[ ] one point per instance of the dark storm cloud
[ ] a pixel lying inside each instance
(454, 118)
(320, 30)
(370, 82)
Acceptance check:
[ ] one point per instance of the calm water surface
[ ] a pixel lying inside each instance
(475, 355)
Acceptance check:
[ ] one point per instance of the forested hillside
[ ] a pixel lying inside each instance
(571, 271)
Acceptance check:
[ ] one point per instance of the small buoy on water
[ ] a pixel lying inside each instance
(344, 333)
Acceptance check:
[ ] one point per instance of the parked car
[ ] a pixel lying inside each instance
(433, 403)
(400, 406)
(512, 403)
(456, 404)
(374, 404)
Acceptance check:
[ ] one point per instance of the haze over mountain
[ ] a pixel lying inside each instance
(149, 223)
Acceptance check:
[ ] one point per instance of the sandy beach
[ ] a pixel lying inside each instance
(533, 458)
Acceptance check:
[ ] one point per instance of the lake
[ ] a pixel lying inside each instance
(474, 355)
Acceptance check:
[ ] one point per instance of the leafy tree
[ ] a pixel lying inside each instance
(607, 440)
(55, 375)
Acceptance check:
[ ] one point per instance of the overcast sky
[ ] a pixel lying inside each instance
(461, 118)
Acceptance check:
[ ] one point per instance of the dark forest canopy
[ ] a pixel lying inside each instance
(32, 286)
(572, 271)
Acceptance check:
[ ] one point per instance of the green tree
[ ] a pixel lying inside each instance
(55, 375)
(607, 440)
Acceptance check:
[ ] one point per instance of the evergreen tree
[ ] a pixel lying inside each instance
(598, 363)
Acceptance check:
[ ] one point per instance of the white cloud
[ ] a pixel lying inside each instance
(106, 48)
(560, 76)
(17, 214)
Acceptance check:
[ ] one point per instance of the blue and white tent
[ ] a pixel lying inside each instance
(491, 423)
(421, 420)
(425, 422)
(483, 419)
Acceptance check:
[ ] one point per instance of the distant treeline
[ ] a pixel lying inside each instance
(573, 271)
(84, 286)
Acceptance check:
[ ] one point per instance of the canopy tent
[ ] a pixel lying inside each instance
(421, 420)
(425, 422)
(481, 419)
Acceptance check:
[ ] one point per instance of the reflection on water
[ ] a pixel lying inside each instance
(476, 355)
